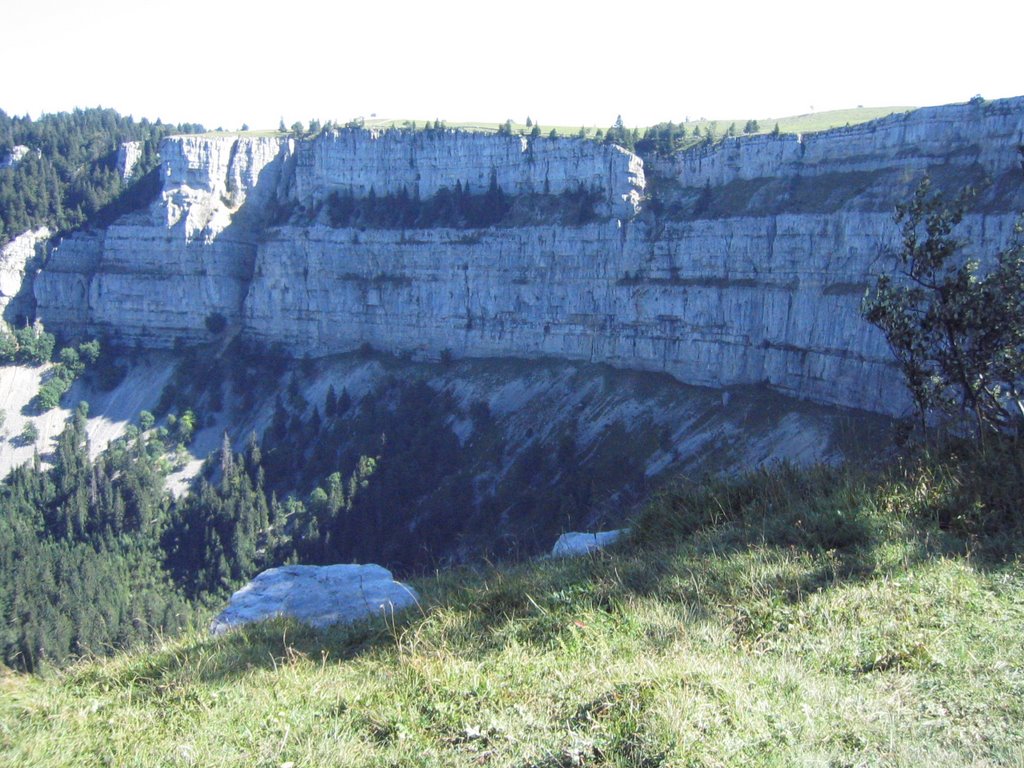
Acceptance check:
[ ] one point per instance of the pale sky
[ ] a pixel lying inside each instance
(224, 63)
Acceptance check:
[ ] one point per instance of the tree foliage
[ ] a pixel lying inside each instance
(71, 362)
(662, 139)
(29, 345)
(96, 555)
(79, 568)
(622, 136)
(955, 329)
(69, 176)
(459, 208)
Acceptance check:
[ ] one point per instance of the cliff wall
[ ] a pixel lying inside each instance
(355, 162)
(747, 265)
(985, 135)
(19, 258)
(156, 275)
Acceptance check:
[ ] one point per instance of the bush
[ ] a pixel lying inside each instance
(957, 335)
(63, 376)
(30, 433)
(8, 346)
(89, 351)
(71, 364)
(50, 394)
(31, 345)
(185, 427)
(216, 323)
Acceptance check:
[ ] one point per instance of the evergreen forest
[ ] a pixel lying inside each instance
(96, 554)
(67, 173)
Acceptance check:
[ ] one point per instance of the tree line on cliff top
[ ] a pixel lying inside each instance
(69, 177)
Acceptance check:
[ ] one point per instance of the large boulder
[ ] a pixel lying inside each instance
(316, 595)
(574, 544)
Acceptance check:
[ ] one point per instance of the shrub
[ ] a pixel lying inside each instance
(957, 335)
(185, 427)
(30, 433)
(50, 394)
(89, 351)
(216, 323)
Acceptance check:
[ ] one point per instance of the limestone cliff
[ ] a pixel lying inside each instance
(356, 162)
(129, 154)
(747, 264)
(157, 275)
(19, 258)
(969, 137)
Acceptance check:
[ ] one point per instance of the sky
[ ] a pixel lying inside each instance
(224, 63)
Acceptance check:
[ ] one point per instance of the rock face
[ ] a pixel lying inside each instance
(158, 275)
(747, 265)
(716, 302)
(985, 135)
(14, 156)
(18, 257)
(355, 162)
(316, 595)
(128, 156)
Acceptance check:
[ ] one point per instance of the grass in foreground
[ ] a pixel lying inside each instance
(787, 618)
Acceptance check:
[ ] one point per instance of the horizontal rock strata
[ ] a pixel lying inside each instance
(748, 264)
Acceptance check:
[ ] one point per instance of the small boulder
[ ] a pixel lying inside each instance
(316, 595)
(574, 544)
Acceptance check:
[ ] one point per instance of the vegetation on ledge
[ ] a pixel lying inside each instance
(789, 617)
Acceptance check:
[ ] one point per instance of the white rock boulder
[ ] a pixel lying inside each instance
(15, 156)
(573, 544)
(316, 595)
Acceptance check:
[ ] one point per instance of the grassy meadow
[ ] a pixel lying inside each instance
(820, 617)
(815, 121)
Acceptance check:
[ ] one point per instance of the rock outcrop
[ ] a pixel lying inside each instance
(575, 544)
(747, 265)
(981, 135)
(18, 259)
(15, 156)
(128, 156)
(421, 163)
(320, 596)
(156, 276)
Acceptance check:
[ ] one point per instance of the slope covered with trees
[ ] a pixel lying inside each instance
(80, 571)
(68, 176)
(379, 477)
